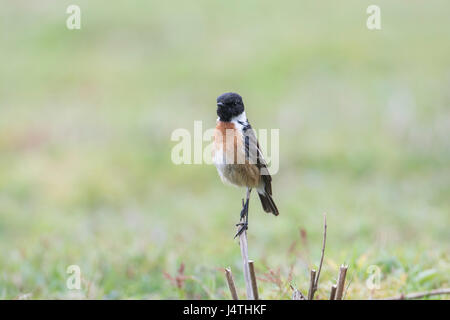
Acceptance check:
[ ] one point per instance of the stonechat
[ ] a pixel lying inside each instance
(237, 155)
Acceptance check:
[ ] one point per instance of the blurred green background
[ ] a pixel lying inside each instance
(86, 117)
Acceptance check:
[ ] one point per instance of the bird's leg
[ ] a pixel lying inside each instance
(244, 214)
(244, 211)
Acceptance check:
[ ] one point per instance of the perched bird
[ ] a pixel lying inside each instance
(237, 155)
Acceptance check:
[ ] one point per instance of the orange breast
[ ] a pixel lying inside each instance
(228, 140)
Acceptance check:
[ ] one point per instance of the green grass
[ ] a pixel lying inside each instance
(85, 124)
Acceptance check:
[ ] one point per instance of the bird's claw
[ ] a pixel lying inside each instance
(244, 227)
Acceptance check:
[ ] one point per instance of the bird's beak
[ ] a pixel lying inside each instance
(220, 104)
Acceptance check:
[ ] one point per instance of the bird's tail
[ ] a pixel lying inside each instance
(267, 202)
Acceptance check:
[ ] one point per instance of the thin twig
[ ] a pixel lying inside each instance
(333, 292)
(311, 285)
(244, 254)
(419, 295)
(253, 279)
(341, 282)
(346, 289)
(315, 280)
(231, 285)
(323, 249)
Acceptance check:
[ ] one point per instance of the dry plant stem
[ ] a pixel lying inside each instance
(341, 282)
(253, 279)
(244, 254)
(323, 250)
(419, 295)
(315, 280)
(231, 284)
(333, 292)
(312, 285)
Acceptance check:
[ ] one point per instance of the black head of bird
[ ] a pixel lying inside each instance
(229, 105)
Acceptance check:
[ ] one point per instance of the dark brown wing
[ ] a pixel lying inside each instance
(254, 155)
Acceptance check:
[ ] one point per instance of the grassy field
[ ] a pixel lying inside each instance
(86, 118)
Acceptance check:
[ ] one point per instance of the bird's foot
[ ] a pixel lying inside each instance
(243, 227)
